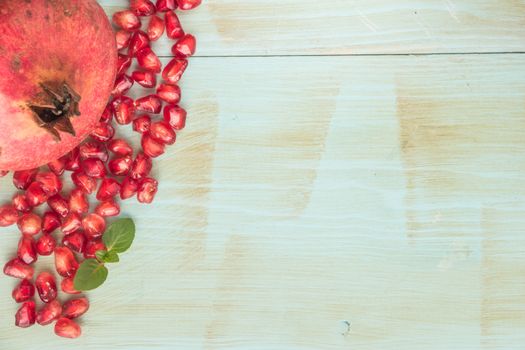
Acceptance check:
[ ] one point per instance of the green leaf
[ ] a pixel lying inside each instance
(100, 254)
(119, 235)
(107, 257)
(90, 275)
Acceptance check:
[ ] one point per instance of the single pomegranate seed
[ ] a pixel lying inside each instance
(92, 247)
(188, 4)
(23, 291)
(50, 222)
(123, 38)
(26, 315)
(142, 7)
(59, 205)
(147, 190)
(149, 104)
(147, 59)
(103, 132)
(166, 5)
(108, 208)
(124, 108)
(107, 114)
(169, 93)
(94, 226)
(173, 27)
(46, 287)
(8, 215)
(141, 167)
(71, 223)
(26, 250)
(151, 147)
(22, 179)
(122, 85)
(174, 70)
(123, 64)
(162, 132)
(75, 241)
(128, 188)
(94, 168)
(35, 194)
(84, 182)
(120, 147)
(108, 189)
(185, 46)
(75, 307)
(65, 262)
(18, 269)
(45, 245)
(19, 202)
(146, 79)
(67, 328)
(49, 182)
(49, 313)
(126, 20)
(141, 124)
(78, 202)
(155, 28)
(68, 286)
(29, 224)
(94, 150)
(72, 160)
(120, 166)
(57, 166)
(139, 40)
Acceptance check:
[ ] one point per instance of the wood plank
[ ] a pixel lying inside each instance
(313, 27)
(312, 193)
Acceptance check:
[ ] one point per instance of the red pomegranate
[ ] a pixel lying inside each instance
(57, 69)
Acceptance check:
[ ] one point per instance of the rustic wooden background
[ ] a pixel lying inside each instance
(352, 177)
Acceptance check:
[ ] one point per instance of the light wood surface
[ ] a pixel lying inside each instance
(345, 202)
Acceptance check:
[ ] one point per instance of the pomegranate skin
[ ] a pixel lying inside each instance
(49, 44)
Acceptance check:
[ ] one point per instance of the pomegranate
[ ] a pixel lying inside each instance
(46, 287)
(67, 328)
(26, 315)
(24, 291)
(68, 286)
(49, 313)
(75, 307)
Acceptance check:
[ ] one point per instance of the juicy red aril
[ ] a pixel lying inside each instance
(49, 313)
(148, 60)
(155, 28)
(169, 93)
(108, 189)
(65, 262)
(67, 328)
(188, 4)
(22, 179)
(72, 160)
(26, 315)
(68, 285)
(35, 194)
(23, 291)
(46, 287)
(57, 166)
(151, 147)
(94, 168)
(122, 37)
(71, 223)
(120, 147)
(128, 188)
(120, 166)
(142, 7)
(126, 20)
(49, 182)
(123, 64)
(75, 241)
(20, 203)
(108, 208)
(30, 224)
(163, 132)
(94, 225)
(149, 104)
(146, 79)
(107, 114)
(141, 124)
(59, 205)
(174, 70)
(50, 222)
(8, 215)
(166, 5)
(173, 27)
(78, 202)
(92, 247)
(94, 150)
(45, 245)
(139, 40)
(141, 167)
(122, 85)
(18, 269)
(103, 132)
(84, 182)
(123, 108)
(26, 250)
(185, 46)
(75, 308)
(147, 190)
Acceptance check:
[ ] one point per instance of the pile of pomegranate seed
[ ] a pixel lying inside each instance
(103, 166)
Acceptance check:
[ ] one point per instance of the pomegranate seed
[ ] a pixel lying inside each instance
(141, 124)
(78, 202)
(146, 79)
(120, 147)
(151, 147)
(107, 114)
(123, 38)
(124, 108)
(29, 224)
(71, 223)
(173, 27)
(35, 194)
(50, 222)
(72, 160)
(166, 5)
(147, 190)
(92, 247)
(103, 132)
(142, 7)
(185, 46)
(162, 132)
(45, 245)
(108, 189)
(174, 70)
(25, 316)
(128, 188)
(94, 226)
(122, 85)
(57, 166)
(75, 241)
(26, 250)
(108, 208)
(126, 20)
(94, 168)
(49, 182)
(18, 269)
(169, 93)
(67, 328)
(155, 28)
(20, 203)
(84, 182)
(46, 287)
(59, 205)
(188, 4)
(8, 215)
(147, 59)
(123, 64)
(120, 166)
(65, 262)
(139, 40)
(141, 167)
(68, 286)
(23, 291)
(75, 307)
(94, 150)
(149, 104)
(49, 313)
(22, 179)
